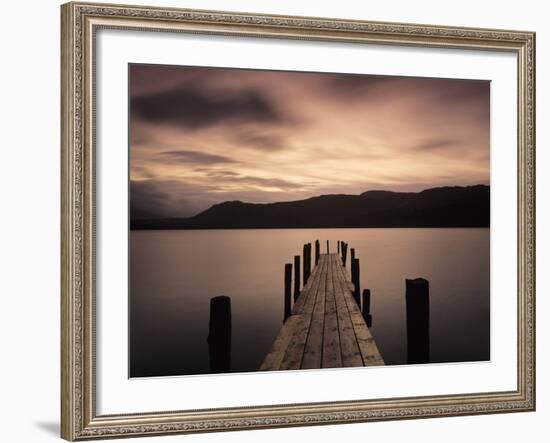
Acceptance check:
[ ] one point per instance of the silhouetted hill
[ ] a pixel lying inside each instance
(457, 206)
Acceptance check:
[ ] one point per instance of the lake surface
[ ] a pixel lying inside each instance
(173, 275)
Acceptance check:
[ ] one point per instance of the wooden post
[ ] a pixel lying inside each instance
(328, 248)
(418, 320)
(366, 307)
(304, 264)
(308, 261)
(317, 251)
(219, 335)
(352, 251)
(338, 246)
(296, 276)
(288, 280)
(344, 254)
(366, 302)
(355, 279)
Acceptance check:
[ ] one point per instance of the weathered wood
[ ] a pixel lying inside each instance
(356, 280)
(317, 252)
(351, 355)
(307, 290)
(366, 307)
(288, 282)
(313, 350)
(369, 350)
(307, 262)
(366, 301)
(219, 334)
(344, 253)
(294, 353)
(296, 276)
(418, 320)
(304, 255)
(273, 360)
(327, 327)
(332, 354)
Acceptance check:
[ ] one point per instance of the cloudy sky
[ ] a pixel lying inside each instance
(200, 136)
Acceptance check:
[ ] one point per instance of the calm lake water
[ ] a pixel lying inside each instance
(175, 273)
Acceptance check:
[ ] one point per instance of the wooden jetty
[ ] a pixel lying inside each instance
(325, 327)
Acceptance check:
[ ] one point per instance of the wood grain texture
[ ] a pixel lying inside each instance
(329, 331)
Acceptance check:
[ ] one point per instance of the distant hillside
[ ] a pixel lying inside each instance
(457, 206)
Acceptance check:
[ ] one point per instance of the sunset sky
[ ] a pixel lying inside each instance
(200, 136)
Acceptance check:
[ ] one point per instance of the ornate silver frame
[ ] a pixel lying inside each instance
(79, 420)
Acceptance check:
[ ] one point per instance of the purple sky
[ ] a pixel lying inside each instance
(200, 136)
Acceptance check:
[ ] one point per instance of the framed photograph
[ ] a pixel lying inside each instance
(282, 221)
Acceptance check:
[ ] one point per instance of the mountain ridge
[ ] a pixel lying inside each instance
(448, 206)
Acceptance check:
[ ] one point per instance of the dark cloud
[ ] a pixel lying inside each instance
(195, 157)
(357, 83)
(459, 90)
(169, 198)
(263, 181)
(194, 106)
(216, 173)
(445, 91)
(230, 177)
(261, 140)
(435, 144)
(165, 198)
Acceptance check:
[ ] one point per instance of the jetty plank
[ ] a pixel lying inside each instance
(294, 354)
(274, 359)
(351, 354)
(313, 351)
(332, 355)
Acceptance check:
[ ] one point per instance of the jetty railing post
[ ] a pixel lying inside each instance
(219, 334)
(366, 302)
(304, 264)
(352, 252)
(355, 279)
(366, 307)
(317, 252)
(418, 320)
(328, 247)
(288, 281)
(338, 246)
(308, 261)
(296, 276)
(344, 254)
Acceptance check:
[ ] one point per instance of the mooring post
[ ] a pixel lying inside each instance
(317, 252)
(288, 281)
(338, 246)
(344, 254)
(418, 320)
(328, 248)
(366, 302)
(366, 307)
(352, 252)
(219, 335)
(296, 276)
(304, 264)
(308, 260)
(355, 279)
